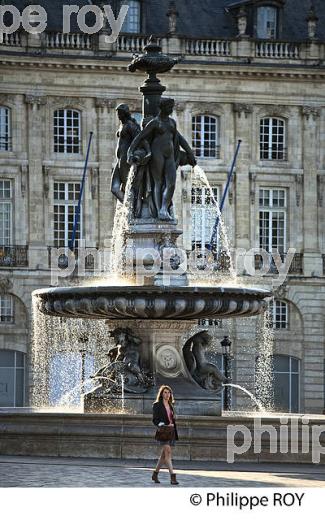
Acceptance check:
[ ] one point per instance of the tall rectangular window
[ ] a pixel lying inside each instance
(204, 214)
(67, 131)
(6, 309)
(267, 22)
(66, 196)
(5, 129)
(5, 212)
(273, 219)
(205, 137)
(272, 139)
(279, 314)
(132, 22)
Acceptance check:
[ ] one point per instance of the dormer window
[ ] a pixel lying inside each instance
(267, 21)
(132, 22)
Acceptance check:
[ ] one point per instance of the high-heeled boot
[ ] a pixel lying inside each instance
(173, 480)
(155, 477)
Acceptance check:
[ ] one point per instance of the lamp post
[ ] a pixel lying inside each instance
(226, 350)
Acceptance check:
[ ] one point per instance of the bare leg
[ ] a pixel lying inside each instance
(168, 458)
(116, 185)
(170, 177)
(161, 460)
(156, 169)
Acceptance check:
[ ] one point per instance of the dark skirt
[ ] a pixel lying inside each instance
(170, 443)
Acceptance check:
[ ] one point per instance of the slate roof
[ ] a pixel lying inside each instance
(197, 18)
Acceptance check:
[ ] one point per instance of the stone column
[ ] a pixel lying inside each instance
(37, 237)
(106, 151)
(243, 125)
(312, 256)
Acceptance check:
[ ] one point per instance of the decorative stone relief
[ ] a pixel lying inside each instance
(23, 181)
(105, 103)
(242, 108)
(252, 178)
(310, 112)
(168, 361)
(94, 182)
(5, 285)
(180, 106)
(299, 188)
(35, 101)
(320, 189)
(68, 102)
(46, 185)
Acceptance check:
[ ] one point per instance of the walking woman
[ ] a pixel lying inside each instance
(163, 414)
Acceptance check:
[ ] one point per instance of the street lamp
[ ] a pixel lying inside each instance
(226, 350)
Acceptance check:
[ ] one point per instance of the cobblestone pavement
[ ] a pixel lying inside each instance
(65, 472)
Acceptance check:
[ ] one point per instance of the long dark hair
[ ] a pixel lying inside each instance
(159, 397)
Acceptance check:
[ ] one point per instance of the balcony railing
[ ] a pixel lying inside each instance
(11, 40)
(13, 256)
(208, 47)
(296, 266)
(63, 258)
(278, 50)
(79, 41)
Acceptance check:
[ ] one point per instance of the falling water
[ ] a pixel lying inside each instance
(256, 401)
(120, 228)
(200, 177)
(57, 349)
(264, 369)
(122, 393)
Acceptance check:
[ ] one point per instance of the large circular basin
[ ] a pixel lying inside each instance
(151, 303)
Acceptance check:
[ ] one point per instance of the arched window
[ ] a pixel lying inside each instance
(67, 131)
(12, 378)
(5, 129)
(286, 371)
(132, 22)
(279, 314)
(267, 21)
(205, 136)
(272, 139)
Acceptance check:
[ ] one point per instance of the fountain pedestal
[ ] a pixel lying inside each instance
(161, 349)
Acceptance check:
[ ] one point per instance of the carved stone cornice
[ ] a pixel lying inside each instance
(5, 285)
(242, 108)
(35, 100)
(6, 98)
(299, 188)
(310, 112)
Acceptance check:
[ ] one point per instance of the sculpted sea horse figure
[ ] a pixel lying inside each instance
(127, 131)
(206, 374)
(165, 143)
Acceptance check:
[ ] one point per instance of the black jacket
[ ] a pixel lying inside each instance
(160, 415)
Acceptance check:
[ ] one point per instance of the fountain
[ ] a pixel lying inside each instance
(164, 305)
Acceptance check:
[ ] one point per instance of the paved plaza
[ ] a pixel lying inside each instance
(76, 472)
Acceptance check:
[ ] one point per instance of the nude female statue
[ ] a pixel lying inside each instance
(165, 142)
(128, 130)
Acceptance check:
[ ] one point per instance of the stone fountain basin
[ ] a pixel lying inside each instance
(151, 303)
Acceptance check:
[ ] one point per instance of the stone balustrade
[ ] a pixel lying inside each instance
(274, 49)
(208, 47)
(56, 40)
(227, 50)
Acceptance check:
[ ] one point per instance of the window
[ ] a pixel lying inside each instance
(66, 195)
(12, 378)
(272, 139)
(6, 309)
(205, 137)
(203, 215)
(132, 21)
(272, 219)
(5, 129)
(5, 213)
(67, 131)
(267, 22)
(286, 372)
(279, 315)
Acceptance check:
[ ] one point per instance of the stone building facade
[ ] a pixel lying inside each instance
(257, 76)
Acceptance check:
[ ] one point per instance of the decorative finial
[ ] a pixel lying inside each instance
(172, 14)
(242, 22)
(312, 20)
